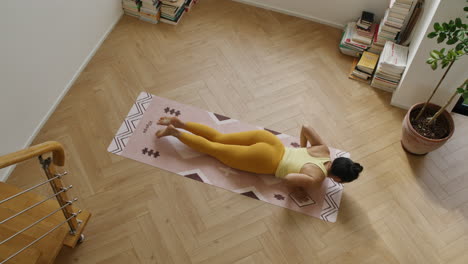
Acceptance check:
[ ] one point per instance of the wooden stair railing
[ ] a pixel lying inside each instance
(32, 229)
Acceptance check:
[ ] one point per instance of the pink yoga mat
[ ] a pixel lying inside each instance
(135, 140)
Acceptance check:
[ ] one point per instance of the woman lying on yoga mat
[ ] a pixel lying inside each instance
(259, 151)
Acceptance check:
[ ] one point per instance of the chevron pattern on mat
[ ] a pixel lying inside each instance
(129, 125)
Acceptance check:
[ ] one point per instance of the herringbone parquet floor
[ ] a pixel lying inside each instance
(276, 71)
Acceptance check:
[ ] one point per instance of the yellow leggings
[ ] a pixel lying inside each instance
(255, 151)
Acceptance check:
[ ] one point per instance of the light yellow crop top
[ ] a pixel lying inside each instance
(295, 158)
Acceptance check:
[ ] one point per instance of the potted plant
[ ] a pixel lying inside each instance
(428, 126)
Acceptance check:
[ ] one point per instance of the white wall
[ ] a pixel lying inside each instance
(331, 12)
(419, 79)
(43, 47)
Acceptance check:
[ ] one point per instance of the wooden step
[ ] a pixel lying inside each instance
(49, 246)
(28, 256)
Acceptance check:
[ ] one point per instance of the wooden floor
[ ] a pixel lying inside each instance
(276, 71)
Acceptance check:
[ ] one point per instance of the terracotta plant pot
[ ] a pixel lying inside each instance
(415, 143)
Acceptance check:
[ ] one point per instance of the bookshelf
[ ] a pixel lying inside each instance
(386, 39)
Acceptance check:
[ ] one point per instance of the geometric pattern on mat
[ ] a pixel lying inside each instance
(130, 123)
(133, 137)
(195, 175)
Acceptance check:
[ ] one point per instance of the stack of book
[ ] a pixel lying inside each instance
(378, 43)
(366, 36)
(358, 35)
(391, 65)
(363, 68)
(394, 20)
(365, 27)
(150, 11)
(352, 43)
(131, 7)
(172, 11)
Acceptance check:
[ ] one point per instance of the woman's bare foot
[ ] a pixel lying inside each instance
(172, 120)
(170, 130)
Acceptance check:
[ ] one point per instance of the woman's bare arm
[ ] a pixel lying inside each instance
(302, 180)
(308, 134)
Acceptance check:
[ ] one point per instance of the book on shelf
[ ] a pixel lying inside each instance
(346, 49)
(150, 17)
(153, 11)
(149, 4)
(357, 75)
(366, 20)
(172, 7)
(352, 35)
(407, 33)
(172, 12)
(393, 23)
(131, 7)
(150, 11)
(358, 36)
(368, 33)
(390, 67)
(367, 17)
(367, 62)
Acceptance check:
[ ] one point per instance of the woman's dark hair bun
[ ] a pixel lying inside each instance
(357, 167)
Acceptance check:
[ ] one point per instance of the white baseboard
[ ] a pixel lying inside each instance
(88, 58)
(292, 13)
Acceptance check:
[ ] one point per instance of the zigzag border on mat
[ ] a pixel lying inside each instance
(332, 204)
(130, 123)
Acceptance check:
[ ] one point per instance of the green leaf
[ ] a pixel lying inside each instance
(452, 41)
(459, 47)
(435, 55)
(465, 8)
(441, 37)
(434, 65)
(460, 52)
(460, 90)
(451, 22)
(445, 26)
(442, 51)
(444, 64)
(437, 27)
(430, 60)
(458, 22)
(432, 35)
(449, 56)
